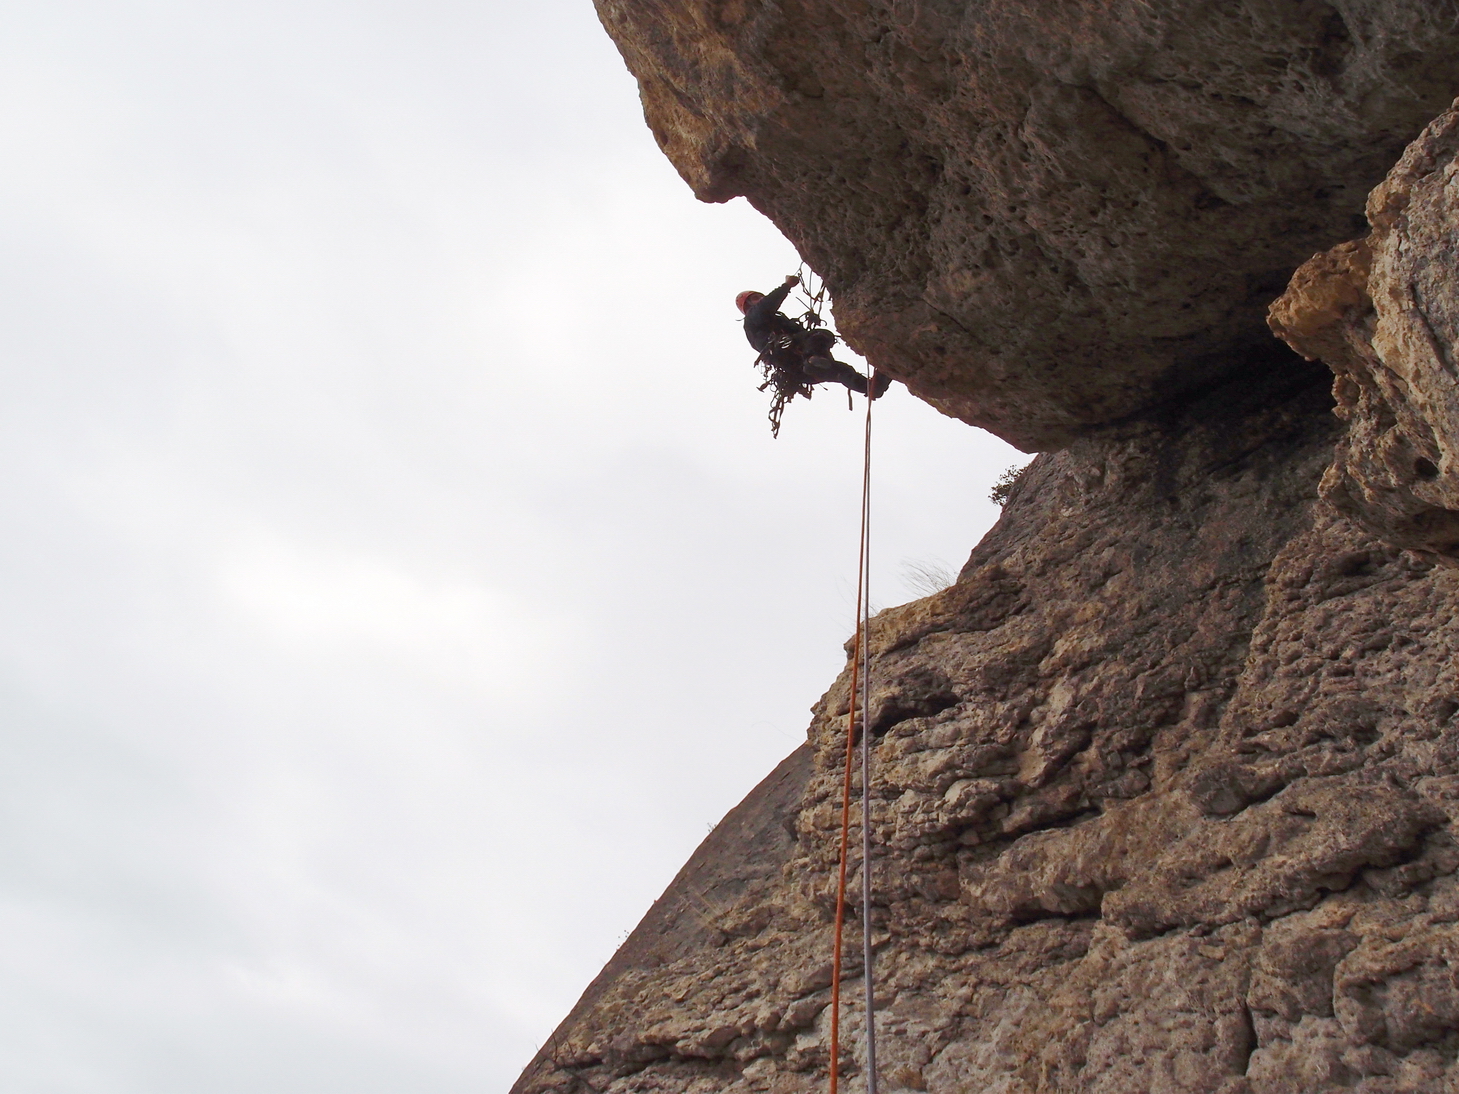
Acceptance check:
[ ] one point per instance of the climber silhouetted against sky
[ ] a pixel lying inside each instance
(795, 357)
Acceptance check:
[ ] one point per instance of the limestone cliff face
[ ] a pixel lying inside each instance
(1044, 215)
(1163, 788)
(1383, 312)
(1165, 784)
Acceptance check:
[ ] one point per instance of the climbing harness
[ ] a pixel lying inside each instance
(860, 675)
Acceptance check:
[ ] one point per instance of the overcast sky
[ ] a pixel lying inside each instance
(397, 576)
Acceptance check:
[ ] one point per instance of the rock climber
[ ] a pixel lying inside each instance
(796, 358)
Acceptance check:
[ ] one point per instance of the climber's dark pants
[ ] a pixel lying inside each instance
(827, 370)
(820, 369)
(806, 357)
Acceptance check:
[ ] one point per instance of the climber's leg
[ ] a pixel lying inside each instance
(827, 370)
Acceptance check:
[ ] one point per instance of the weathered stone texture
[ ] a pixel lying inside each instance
(1165, 783)
(1383, 312)
(1163, 793)
(1044, 215)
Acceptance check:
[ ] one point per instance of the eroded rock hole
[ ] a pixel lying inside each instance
(902, 708)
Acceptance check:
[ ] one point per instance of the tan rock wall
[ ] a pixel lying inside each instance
(1163, 796)
(1383, 312)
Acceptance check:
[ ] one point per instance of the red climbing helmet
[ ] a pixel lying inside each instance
(745, 299)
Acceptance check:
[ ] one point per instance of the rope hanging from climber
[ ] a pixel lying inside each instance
(795, 354)
(860, 689)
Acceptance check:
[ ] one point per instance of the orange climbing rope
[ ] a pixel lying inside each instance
(860, 676)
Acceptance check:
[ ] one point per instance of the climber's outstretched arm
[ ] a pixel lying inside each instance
(770, 303)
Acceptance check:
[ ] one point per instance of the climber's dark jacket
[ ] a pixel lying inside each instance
(763, 321)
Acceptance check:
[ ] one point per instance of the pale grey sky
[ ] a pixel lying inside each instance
(397, 576)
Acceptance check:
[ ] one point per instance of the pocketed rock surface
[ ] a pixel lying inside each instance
(1044, 215)
(1163, 791)
(1383, 313)
(1164, 785)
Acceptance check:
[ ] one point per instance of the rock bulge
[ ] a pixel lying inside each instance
(1044, 215)
(1383, 312)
